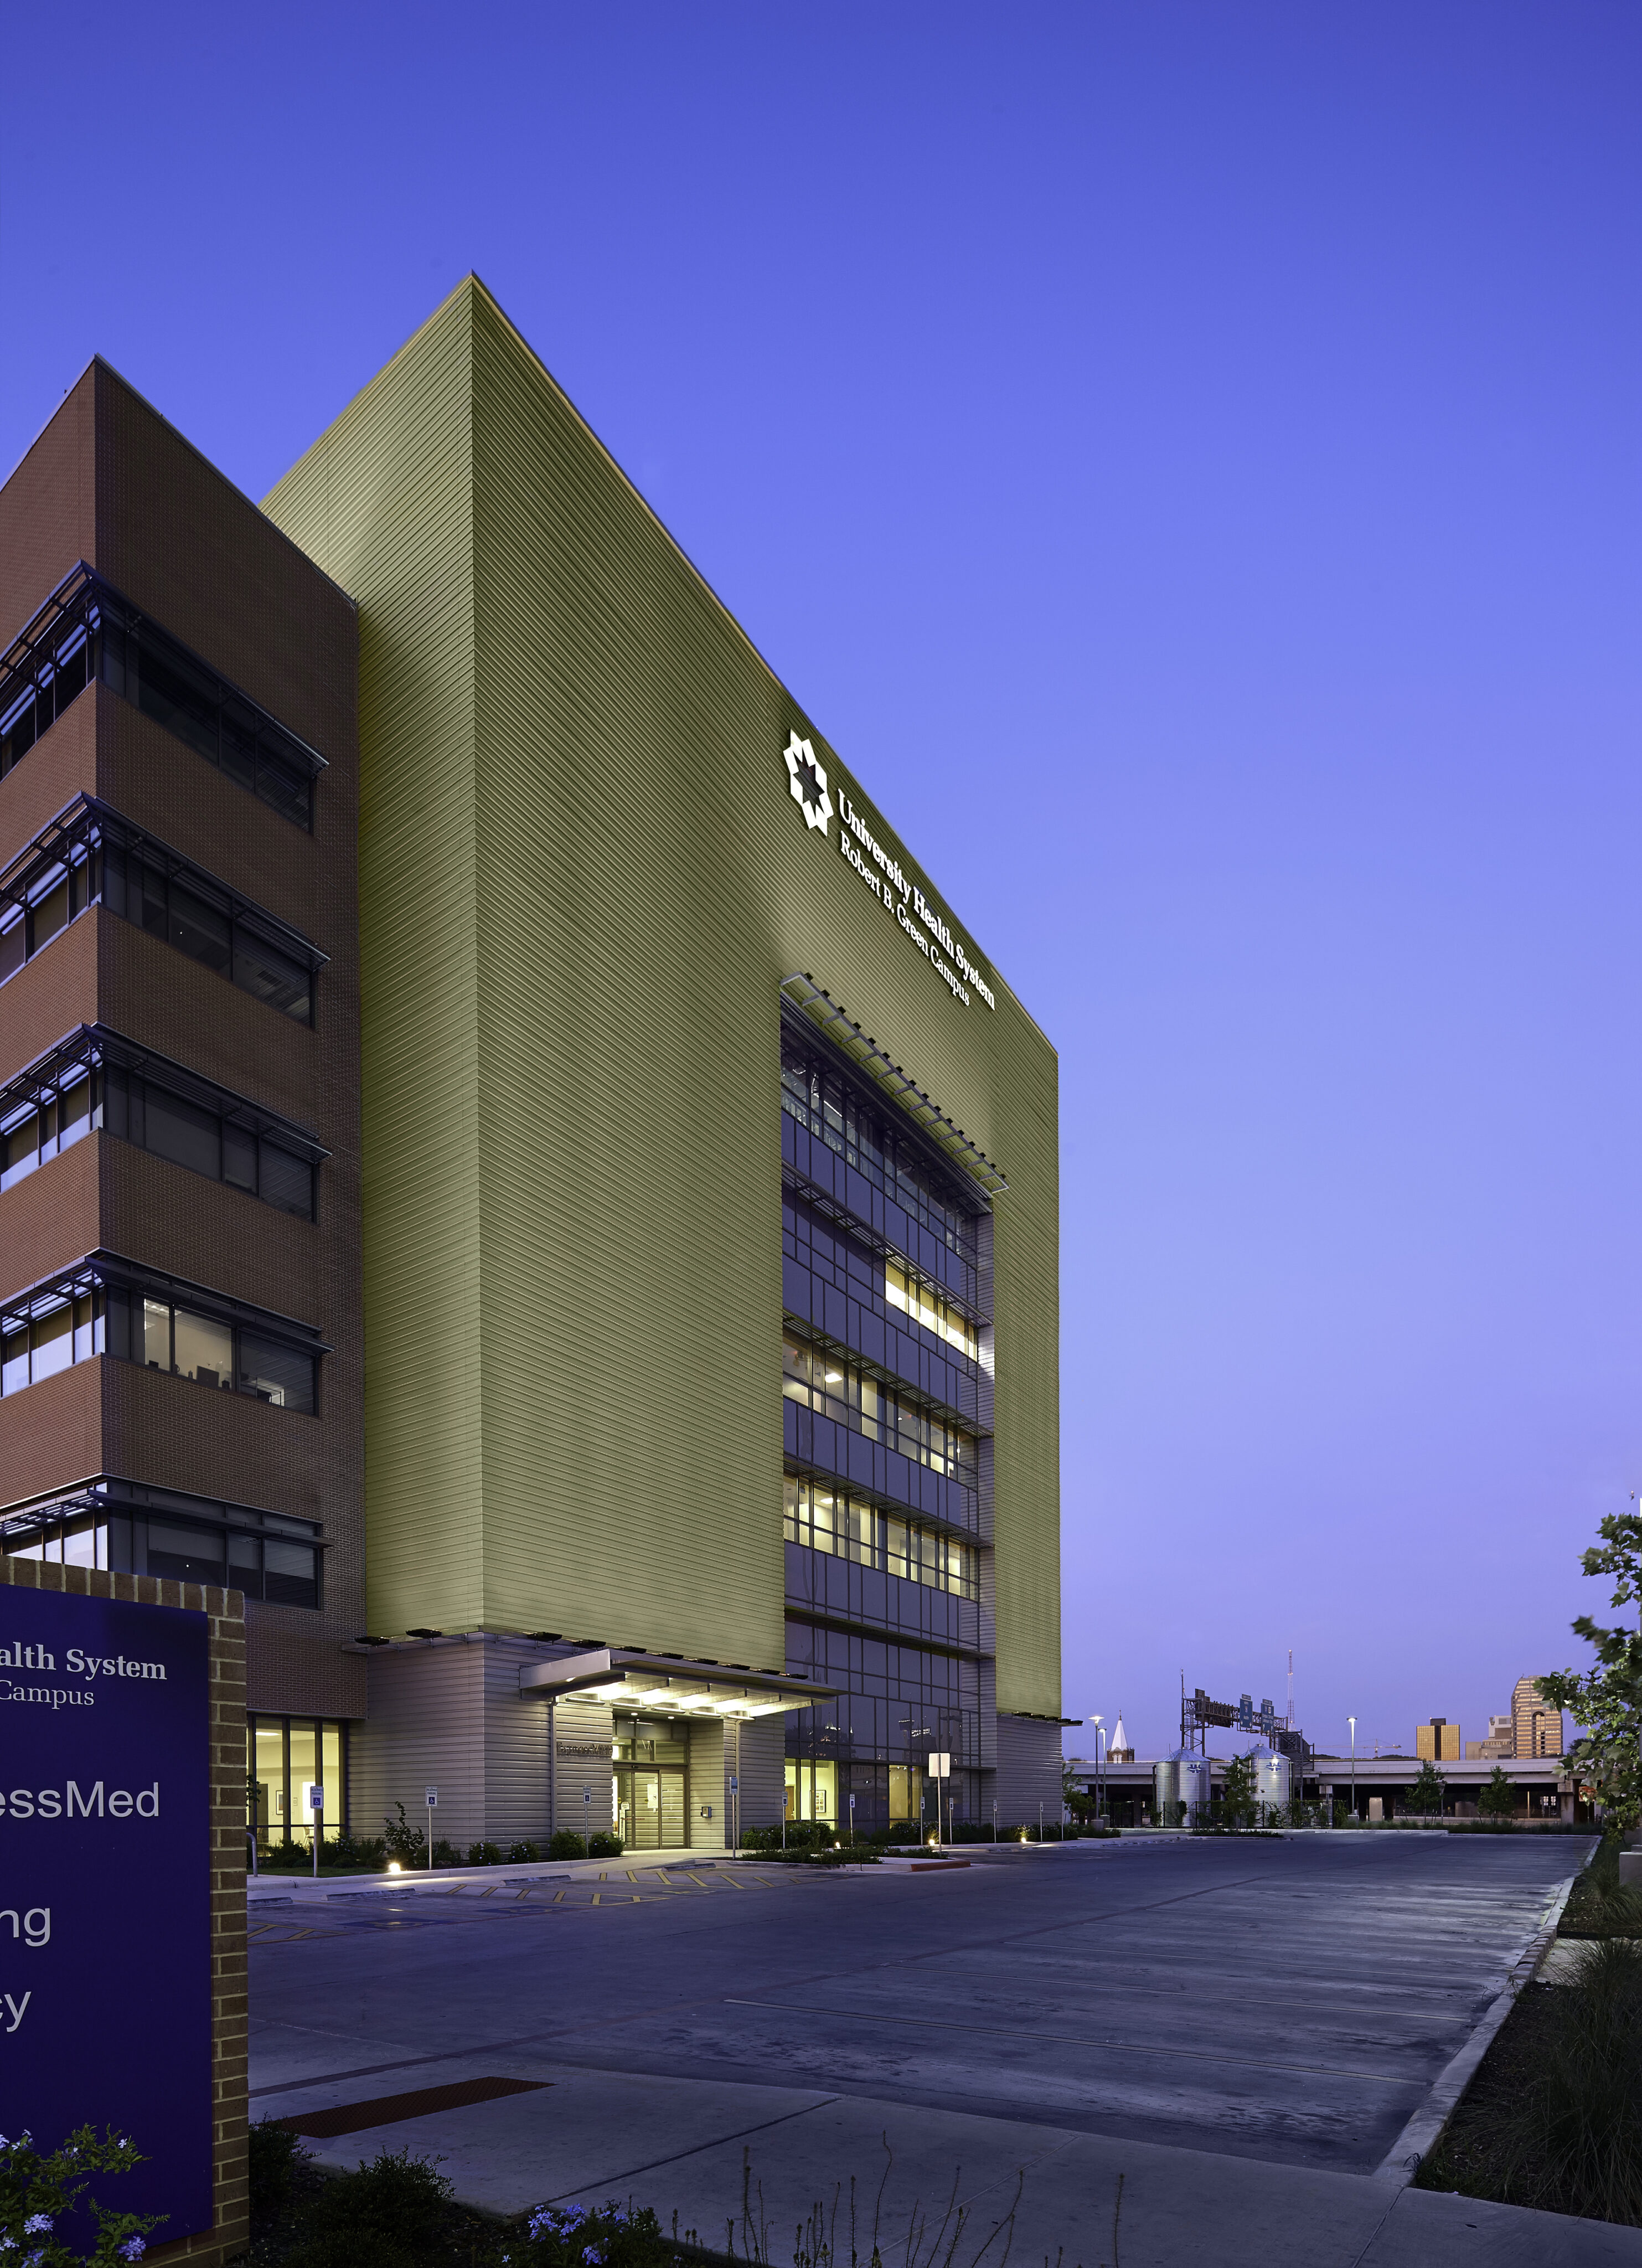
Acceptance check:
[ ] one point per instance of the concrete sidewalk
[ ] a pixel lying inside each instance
(683, 2145)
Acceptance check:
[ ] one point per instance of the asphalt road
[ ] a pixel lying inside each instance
(1282, 2000)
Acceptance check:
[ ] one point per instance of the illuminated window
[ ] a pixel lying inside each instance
(824, 1519)
(909, 1291)
(823, 1382)
(84, 1314)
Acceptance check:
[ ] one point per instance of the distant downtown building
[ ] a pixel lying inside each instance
(507, 1157)
(1536, 1723)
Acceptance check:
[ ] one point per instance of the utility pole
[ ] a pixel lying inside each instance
(1352, 1721)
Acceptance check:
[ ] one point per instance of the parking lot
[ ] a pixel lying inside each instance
(1285, 2001)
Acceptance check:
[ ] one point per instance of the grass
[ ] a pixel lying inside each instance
(1551, 2119)
(1599, 1906)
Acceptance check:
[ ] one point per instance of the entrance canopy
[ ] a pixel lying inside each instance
(660, 1680)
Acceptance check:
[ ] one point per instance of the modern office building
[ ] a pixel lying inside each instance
(693, 1320)
(1439, 1741)
(182, 1384)
(1501, 1741)
(1536, 1723)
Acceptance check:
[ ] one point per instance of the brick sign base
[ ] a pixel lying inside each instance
(226, 1856)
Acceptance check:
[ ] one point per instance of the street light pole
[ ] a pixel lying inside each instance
(1100, 1798)
(1352, 1721)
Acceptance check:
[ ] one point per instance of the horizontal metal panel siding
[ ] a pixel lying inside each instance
(1028, 1772)
(762, 1774)
(384, 503)
(647, 882)
(632, 1443)
(425, 1728)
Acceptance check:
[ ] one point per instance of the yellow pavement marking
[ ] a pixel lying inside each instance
(558, 1897)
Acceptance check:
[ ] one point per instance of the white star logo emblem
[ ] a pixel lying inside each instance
(808, 783)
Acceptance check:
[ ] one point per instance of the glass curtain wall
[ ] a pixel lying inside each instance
(885, 1794)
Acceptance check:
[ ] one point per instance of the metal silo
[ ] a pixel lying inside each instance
(1182, 1777)
(1272, 1781)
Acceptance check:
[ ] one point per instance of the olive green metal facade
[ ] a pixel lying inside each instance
(582, 879)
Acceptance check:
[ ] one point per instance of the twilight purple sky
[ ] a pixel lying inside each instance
(1186, 457)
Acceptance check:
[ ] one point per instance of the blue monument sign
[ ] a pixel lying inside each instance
(105, 1889)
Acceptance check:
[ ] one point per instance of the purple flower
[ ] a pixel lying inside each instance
(37, 2224)
(133, 2248)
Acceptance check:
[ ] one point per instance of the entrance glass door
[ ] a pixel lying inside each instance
(650, 1756)
(650, 1808)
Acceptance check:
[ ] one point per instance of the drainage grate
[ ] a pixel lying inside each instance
(387, 2109)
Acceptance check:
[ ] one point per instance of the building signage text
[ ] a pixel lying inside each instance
(116, 1792)
(900, 896)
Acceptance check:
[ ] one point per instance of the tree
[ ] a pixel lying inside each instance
(1425, 1800)
(1499, 1798)
(1237, 1792)
(1607, 1700)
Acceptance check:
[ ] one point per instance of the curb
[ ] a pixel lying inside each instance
(1419, 2138)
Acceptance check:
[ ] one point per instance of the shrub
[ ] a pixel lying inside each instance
(275, 2154)
(37, 2188)
(387, 2215)
(484, 1854)
(800, 1835)
(404, 1842)
(566, 1845)
(605, 1846)
(446, 1854)
(353, 1851)
(523, 1854)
